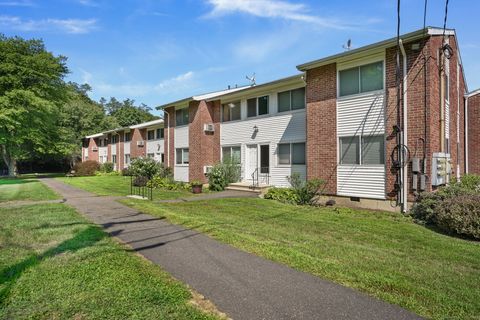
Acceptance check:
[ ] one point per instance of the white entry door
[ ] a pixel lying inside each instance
(252, 161)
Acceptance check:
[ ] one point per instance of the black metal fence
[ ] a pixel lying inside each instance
(139, 187)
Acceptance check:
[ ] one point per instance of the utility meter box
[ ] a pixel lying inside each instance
(441, 168)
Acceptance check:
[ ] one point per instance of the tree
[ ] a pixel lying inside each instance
(126, 112)
(31, 92)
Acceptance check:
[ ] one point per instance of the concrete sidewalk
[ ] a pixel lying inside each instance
(242, 285)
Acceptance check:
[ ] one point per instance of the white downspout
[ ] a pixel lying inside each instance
(168, 137)
(466, 134)
(405, 124)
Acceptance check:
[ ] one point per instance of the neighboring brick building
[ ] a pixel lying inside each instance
(473, 135)
(340, 120)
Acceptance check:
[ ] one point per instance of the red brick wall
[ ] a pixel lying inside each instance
(120, 151)
(91, 154)
(169, 136)
(206, 147)
(109, 148)
(321, 94)
(138, 135)
(474, 134)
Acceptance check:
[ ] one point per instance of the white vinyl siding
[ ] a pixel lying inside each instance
(180, 172)
(156, 146)
(359, 117)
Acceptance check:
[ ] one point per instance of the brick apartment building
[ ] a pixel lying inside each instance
(372, 133)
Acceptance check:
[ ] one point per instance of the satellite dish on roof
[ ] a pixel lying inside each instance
(348, 45)
(252, 79)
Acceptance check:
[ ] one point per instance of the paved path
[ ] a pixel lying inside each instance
(242, 285)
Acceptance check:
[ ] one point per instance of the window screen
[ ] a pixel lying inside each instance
(226, 153)
(349, 150)
(298, 153)
(231, 111)
(284, 153)
(298, 99)
(283, 101)
(179, 156)
(151, 135)
(263, 105)
(252, 107)
(127, 137)
(349, 83)
(371, 76)
(373, 150)
(185, 156)
(160, 133)
(236, 154)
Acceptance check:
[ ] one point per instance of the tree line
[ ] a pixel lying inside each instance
(42, 116)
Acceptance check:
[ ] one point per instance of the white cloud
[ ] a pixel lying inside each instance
(271, 9)
(18, 3)
(74, 26)
(168, 86)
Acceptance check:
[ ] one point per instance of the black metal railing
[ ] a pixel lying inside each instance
(139, 187)
(261, 173)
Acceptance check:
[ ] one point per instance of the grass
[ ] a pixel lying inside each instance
(117, 186)
(16, 189)
(56, 265)
(383, 254)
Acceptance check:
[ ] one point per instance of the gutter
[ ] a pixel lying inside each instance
(405, 126)
(466, 134)
(168, 138)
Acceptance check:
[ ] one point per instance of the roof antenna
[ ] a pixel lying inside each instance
(348, 45)
(252, 79)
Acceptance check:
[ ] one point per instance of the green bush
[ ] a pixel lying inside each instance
(224, 173)
(106, 167)
(140, 181)
(145, 167)
(86, 168)
(301, 192)
(454, 208)
(127, 172)
(158, 182)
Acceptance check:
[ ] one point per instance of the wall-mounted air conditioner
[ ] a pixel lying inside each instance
(207, 169)
(140, 143)
(94, 149)
(208, 127)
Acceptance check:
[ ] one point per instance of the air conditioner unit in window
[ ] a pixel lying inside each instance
(208, 127)
(140, 143)
(207, 169)
(94, 149)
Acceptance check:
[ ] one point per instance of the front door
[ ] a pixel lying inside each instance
(252, 161)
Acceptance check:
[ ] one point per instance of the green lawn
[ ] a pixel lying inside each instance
(14, 189)
(383, 254)
(56, 265)
(117, 186)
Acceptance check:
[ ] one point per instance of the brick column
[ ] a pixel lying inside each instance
(92, 143)
(135, 150)
(321, 95)
(206, 147)
(169, 135)
(120, 151)
(474, 134)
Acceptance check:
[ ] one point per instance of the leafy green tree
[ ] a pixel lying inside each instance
(126, 112)
(31, 92)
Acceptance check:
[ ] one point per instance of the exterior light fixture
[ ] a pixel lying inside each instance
(255, 128)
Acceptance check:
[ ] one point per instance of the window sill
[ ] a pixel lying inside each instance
(359, 95)
(181, 165)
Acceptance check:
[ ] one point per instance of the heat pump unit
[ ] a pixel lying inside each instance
(207, 169)
(140, 143)
(208, 127)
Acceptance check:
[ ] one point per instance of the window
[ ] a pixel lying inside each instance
(360, 79)
(372, 150)
(127, 159)
(233, 153)
(291, 153)
(231, 111)
(447, 87)
(181, 117)
(257, 106)
(128, 136)
(291, 100)
(162, 157)
(160, 133)
(182, 156)
(150, 135)
(114, 139)
(150, 155)
(114, 158)
(349, 150)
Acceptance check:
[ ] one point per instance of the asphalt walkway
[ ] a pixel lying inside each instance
(242, 285)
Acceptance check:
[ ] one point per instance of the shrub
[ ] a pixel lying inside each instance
(302, 192)
(145, 167)
(106, 167)
(127, 172)
(224, 173)
(140, 181)
(454, 208)
(86, 168)
(158, 182)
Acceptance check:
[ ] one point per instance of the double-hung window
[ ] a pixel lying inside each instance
(231, 111)
(291, 100)
(232, 153)
(182, 156)
(364, 150)
(128, 137)
(361, 79)
(114, 139)
(257, 106)
(160, 133)
(127, 159)
(150, 135)
(181, 117)
(291, 153)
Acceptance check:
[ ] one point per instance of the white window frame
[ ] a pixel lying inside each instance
(153, 135)
(290, 154)
(360, 158)
(182, 164)
(127, 162)
(157, 131)
(188, 118)
(256, 106)
(233, 146)
(290, 93)
(114, 137)
(230, 117)
(125, 136)
(379, 57)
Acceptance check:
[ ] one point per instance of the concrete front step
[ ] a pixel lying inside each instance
(258, 191)
(245, 186)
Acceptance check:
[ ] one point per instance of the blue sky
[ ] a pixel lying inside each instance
(156, 51)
